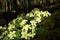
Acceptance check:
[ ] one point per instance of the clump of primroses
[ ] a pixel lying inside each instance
(25, 28)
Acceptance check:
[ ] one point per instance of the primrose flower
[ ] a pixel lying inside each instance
(38, 19)
(24, 35)
(26, 27)
(27, 35)
(45, 13)
(31, 34)
(48, 13)
(14, 21)
(11, 35)
(31, 14)
(0, 27)
(27, 14)
(23, 23)
(33, 22)
(11, 26)
(37, 13)
(19, 18)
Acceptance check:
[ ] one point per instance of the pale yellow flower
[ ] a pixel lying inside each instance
(23, 23)
(31, 14)
(11, 35)
(31, 34)
(14, 21)
(48, 13)
(19, 18)
(0, 27)
(27, 14)
(38, 19)
(11, 26)
(24, 35)
(28, 35)
(37, 13)
(45, 13)
(26, 27)
(33, 22)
